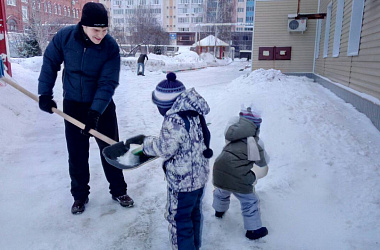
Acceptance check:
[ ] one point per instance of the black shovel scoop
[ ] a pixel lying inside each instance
(113, 152)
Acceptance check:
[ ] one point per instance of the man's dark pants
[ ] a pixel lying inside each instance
(78, 149)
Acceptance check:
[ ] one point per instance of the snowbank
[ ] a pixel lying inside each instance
(185, 60)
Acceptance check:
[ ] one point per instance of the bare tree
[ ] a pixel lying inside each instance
(143, 27)
(39, 26)
(220, 12)
(42, 26)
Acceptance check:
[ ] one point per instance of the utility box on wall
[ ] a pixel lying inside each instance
(275, 53)
(266, 53)
(282, 53)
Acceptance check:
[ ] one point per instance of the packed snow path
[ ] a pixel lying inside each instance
(321, 191)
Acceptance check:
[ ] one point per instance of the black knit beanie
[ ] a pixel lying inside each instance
(94, 15)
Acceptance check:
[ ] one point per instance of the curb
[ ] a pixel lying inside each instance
(180, 70)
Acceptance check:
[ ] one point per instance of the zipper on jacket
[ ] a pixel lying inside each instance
(192, 165)
(81, 77)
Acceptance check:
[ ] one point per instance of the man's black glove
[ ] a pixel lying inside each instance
(138, 139)
(46, 103)
(91, 122)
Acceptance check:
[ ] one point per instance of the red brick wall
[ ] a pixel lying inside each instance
(15, 21)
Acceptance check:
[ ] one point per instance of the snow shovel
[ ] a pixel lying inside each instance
(110, 154)
(113, 152)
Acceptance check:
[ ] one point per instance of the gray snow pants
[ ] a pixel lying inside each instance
(249, 206)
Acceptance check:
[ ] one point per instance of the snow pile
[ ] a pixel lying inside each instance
(265, 75)
(185, 60)
(212, 61)
(33, 63)
(187, 56)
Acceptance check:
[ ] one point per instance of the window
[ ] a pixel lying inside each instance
(12, 25)
(183, 20)
(338, 27)
(11, 2)
(64, 11)
(129, 11)
(327, 31)
(25, 13)
(197, 19)
(118, 11)
(24, 1)
(55, 9)
(240, 20)
(156, 2)
(129, 2)
(355, 27)
(184, 38)
(49, 7)
(198, 10)
(182, 10)
(240, 9)
(118, 20)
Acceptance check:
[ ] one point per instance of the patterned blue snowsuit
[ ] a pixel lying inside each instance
(186, 169)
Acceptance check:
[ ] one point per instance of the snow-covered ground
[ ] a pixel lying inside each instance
(322, 190)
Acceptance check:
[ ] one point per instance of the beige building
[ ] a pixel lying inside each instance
(271, 30)
(343, 47)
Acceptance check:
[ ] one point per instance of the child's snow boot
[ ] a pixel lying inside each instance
(256, 234)
(219, 214)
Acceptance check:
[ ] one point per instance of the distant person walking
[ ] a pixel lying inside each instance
(140, 63)
(90, 76)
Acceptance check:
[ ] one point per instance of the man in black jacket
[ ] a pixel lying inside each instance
(140, 63)
(90, 76)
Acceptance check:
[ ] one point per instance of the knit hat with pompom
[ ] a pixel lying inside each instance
(167, 91)
(251, 116)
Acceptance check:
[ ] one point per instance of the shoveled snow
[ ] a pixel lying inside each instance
(129, 158)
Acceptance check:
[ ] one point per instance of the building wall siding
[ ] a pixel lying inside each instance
(271, 22)
(359, 72)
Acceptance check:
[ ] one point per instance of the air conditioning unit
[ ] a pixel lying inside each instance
(296, 25)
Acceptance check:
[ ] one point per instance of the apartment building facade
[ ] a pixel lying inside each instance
(185, 21)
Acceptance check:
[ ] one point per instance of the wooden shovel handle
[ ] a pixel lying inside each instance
(7, 79)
